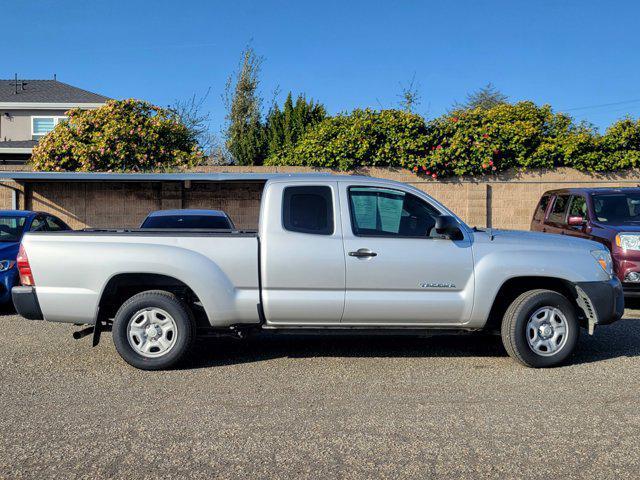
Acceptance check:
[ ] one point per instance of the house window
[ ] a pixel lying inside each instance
(40, 126)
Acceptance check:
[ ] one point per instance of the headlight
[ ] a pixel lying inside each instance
(6, 265)
(628, 241)
(603, 257)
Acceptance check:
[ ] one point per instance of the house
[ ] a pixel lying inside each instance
(29, 109)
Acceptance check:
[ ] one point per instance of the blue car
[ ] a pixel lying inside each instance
(13, 224)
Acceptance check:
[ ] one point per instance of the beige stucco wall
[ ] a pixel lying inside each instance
(504, 201)
(18, 125)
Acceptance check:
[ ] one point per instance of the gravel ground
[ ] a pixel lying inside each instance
(333, 407)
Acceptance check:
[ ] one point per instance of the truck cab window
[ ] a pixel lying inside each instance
(386, 212)
(308, 209)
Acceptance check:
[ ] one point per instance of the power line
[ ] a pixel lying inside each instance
(624, 102)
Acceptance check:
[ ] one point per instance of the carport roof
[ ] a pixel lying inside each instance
(133, 177)
(144, 177)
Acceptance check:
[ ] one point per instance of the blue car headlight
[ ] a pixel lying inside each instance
(6, 265)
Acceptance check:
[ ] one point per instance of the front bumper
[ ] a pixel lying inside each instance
(602, 302)
(26, 302)
(623, 266)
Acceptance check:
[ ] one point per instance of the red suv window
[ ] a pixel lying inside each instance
(542, 208)
(559, 212)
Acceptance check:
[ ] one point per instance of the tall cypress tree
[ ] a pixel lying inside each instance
(285, 127)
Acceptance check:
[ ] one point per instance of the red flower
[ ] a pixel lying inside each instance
(491, 162)
(433, 148)
(484, 165)
(454, 119)
(424, 168)
(415, 169)
(494, 169)
(485, 135)
(428, 172)
(439, 147)
(434, 176)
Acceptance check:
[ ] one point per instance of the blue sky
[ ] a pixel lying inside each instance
(580, 56)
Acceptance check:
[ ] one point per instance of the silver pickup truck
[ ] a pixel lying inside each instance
(332, 253)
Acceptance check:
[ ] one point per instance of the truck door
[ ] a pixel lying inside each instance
(302, 255)
(399, 271)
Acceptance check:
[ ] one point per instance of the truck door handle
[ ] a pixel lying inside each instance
(362, 253)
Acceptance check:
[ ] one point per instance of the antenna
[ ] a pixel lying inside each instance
(54, 77)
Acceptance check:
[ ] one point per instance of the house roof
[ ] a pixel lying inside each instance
(18, 144)
(46, 91)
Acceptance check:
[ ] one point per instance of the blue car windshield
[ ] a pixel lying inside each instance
(11, 228)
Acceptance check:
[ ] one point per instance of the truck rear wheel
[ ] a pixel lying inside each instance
(540, 329)
(153, 330)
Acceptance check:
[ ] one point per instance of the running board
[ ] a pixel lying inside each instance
(368, 331)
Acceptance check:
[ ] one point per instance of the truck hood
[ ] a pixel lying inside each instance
(535, 240)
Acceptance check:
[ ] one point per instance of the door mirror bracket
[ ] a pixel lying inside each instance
(448, 226)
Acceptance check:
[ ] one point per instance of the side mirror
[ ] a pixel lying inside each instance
(576, 221)
(447, 225)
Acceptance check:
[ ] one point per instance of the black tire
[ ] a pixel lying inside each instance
(185, 330)
(514, 329)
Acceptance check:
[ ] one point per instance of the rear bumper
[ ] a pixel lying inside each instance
(26, 302)
(602, 302)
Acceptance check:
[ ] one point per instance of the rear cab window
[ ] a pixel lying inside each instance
(308, 209)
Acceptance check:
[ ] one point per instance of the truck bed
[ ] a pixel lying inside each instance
(72, 268)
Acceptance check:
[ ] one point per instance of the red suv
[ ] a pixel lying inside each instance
(607, 215)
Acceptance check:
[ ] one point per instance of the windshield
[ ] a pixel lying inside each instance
(11, 228)
(188, 221)
(617, 208)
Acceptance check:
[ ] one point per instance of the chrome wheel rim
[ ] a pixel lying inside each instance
(547, 331)
(152, 332)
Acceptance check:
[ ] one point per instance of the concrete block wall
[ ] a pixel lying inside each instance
(504, 201)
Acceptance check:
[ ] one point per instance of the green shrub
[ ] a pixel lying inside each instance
(362, 138)
(484, 141)
(466, 142)
(123, 135)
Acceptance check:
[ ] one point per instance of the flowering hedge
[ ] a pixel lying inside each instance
(124, 135)
(362, 138)
(466, 142)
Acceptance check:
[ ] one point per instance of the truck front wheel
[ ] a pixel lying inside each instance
(153, 330)
(540, 328)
